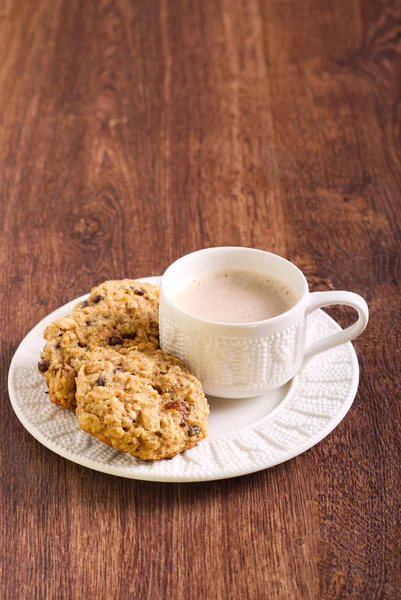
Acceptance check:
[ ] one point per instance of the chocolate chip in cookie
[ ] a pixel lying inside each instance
(43, 365)
(139, 292)
(193, 430)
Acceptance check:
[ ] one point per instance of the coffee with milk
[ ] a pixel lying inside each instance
(234, 297)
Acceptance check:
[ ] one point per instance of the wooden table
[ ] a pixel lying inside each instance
(133, 132)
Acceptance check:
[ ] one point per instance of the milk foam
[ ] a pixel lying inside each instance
(234, 297)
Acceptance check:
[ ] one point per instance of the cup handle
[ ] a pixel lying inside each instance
(319, 299)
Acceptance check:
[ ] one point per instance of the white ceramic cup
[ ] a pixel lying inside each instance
(247, 359)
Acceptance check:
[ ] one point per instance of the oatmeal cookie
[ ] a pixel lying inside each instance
(118, 314)
(141, 401)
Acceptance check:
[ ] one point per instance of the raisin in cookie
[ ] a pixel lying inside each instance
(142, 401)
(118, 314)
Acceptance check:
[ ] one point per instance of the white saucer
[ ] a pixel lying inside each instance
(245, 435)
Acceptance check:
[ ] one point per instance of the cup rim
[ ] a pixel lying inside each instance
(239, 326)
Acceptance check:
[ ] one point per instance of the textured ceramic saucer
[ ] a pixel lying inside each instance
(245, 435)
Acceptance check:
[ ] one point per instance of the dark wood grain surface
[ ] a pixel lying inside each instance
(132, 132)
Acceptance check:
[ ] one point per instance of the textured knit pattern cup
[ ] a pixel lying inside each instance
(246, 359)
